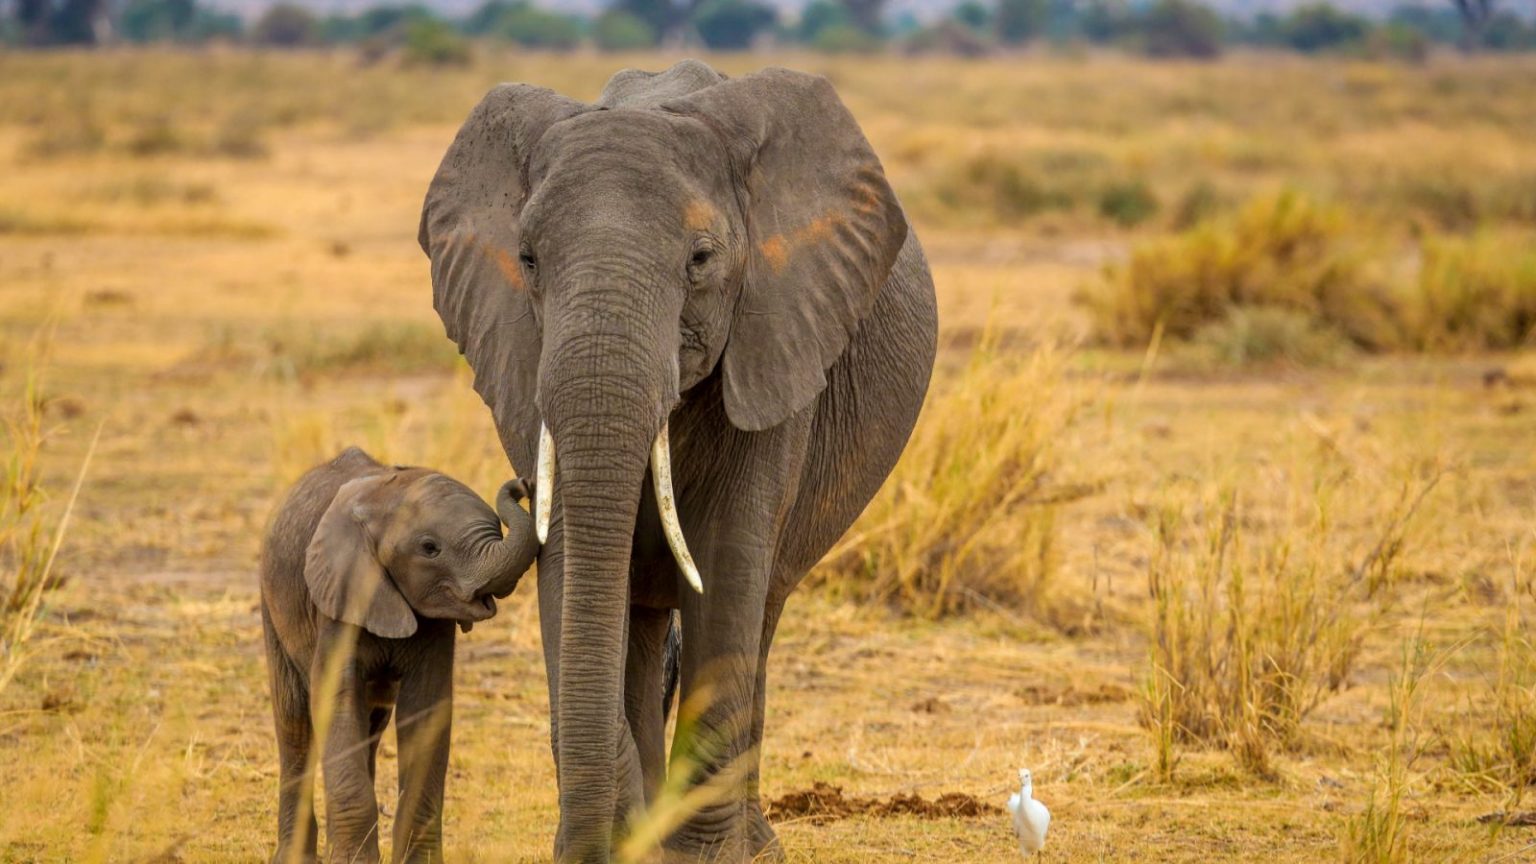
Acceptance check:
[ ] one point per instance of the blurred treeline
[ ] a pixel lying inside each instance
(1160, 28)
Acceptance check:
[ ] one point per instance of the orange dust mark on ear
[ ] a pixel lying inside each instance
(510, 269)
(699, 215)
(776, 249)
(775, 252)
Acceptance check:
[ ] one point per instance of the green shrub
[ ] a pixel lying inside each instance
(822, 15)
(1322, 27)
(1180, 28)
(529, 25)
(1003, 187)
(731, 25)
(617, 30)
(434, 43)
(1128, 203)
(1267, 335)
(286, 25)
(845, 39)
(949, 37)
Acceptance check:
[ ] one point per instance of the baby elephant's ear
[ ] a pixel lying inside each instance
(346, 580)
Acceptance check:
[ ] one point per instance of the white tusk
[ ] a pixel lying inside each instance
(544, 491)
(661, 473)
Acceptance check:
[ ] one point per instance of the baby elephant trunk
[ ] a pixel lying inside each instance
(506, 561)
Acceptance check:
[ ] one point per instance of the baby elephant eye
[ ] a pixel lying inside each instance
(429, 548)
(528, 261)
(700, 257)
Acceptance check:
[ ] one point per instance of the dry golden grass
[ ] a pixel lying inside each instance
(226, 243)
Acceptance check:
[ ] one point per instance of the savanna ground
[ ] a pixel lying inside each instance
(1233, 577)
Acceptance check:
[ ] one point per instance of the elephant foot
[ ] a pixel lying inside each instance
(720, 835)
(762, 842)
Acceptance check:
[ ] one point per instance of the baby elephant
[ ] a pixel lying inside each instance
(364, 573)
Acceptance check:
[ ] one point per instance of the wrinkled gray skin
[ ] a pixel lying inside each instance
(723, 254)
(392, 558)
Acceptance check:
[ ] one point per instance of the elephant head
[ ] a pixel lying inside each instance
(597, 261)
(411, 542)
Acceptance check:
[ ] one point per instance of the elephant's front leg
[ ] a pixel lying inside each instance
(723, 639)
(351, 807)
(423, 731)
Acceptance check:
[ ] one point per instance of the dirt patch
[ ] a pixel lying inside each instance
(824, 802)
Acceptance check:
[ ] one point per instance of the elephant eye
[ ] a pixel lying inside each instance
(429, 548)
(529, 263)
(700, 257)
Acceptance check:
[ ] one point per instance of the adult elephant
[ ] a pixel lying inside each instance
(708, 270)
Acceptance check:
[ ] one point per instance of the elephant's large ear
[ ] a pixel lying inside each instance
(469, 228)
(346, 580)
(824, 226)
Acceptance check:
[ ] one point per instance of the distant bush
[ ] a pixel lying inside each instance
(1180, 28)
(156, 20)
(1258, 335)
(1128, 203)
(821, 15)
(384, 23)
(1000, 185)
(1398, 42)
(1321, 27)
(1474, 293)
(974, 15)
(616, 30)
(731, 25)
(1018, 21)
(1285, 278)
(949, 37)
(434, 43)
(845, 39)
(286, 25)
(526, 24)
(1283, 252)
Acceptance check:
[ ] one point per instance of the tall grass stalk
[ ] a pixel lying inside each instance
(1378, 834)
(30, 537)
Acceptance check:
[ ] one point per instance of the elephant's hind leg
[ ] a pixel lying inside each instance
(296, 829)
(644, 683)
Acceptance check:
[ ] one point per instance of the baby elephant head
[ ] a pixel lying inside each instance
(414, 542)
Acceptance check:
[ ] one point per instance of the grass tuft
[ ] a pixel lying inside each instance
(1248, 638)
(968, 517)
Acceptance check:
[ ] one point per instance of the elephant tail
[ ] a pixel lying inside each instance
(670, 666)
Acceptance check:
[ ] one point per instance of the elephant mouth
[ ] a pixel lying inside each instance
(476, 610)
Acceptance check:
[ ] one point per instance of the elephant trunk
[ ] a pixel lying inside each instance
(504, 561)
(607, 382)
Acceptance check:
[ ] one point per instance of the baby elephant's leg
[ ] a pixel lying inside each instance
(290, 712)
(423, 720)
(351, 807)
